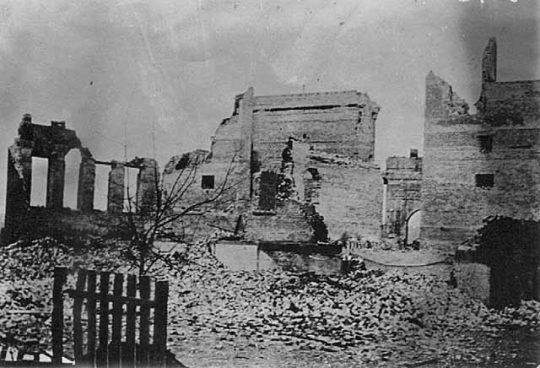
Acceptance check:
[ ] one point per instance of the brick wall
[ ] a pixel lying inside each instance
(288, 223)
(403, 192)
(58, 223)
(336, 122)
(456, 150)
(350, 196)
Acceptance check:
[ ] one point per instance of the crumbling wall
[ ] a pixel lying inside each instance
(403, 178)
(212, 192)
(148, 184)
(279, 211)
(346, 197)
(350, 195)
(65, 222)
(482, 165)
(53, 143)
(277, 195)
(219, 190)
(287, 224)
(116, 188)
(335, 122)
(87, 179)
(216, 186)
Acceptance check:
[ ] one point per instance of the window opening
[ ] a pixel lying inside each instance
(207, 182)
(486, 143)
(38, 192)
(101, 187)
(484, 180)
(71, 182)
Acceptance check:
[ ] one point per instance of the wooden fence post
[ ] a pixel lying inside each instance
(77, 311)
(116, 336)
(144, 323)
(101, 358)
(160, 322)
(128, 351)
(91, 308)
(116, 352)
(60, 274)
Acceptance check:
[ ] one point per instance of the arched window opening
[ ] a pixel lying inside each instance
(101, 187)
(38, 193)
(413, 226)
(71, 178)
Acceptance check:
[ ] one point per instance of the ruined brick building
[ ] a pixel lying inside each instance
(302, 167)
(479, 165)
(281, 168)
(53, 143)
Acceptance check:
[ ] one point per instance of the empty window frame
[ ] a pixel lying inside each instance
(484, 180)
(207, 182)
(486, 143)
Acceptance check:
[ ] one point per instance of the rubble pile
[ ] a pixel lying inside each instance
(333, 313)
(37, 259)
(369, 314)
(26, 274)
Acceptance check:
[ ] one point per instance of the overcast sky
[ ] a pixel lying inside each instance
(116, 71)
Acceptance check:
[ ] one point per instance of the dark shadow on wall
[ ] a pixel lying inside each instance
(511, 248)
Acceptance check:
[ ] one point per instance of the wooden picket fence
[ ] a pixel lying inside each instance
(98, 343)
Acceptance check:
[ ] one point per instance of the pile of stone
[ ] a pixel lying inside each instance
(331, 312)
(26, 281)
(371, 312)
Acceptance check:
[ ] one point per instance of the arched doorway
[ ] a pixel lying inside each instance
(412, 226)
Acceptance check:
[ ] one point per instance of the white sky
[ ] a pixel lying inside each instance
(117, 70)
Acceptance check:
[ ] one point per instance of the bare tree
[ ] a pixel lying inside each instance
(173, 202)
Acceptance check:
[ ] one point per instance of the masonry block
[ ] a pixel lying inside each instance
(115, 195)
(55, 180)
(147, 185)
(87, 178)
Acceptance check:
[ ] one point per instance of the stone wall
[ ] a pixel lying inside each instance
(350, 195)
(403, 178)
(65, 222)
(53, 142)
(334, 122)
(287, 223)
(205, 191)
(482, 165)
(213, 193)
(254, 138)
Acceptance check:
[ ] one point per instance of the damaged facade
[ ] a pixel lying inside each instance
(402, 197)
(300, 168)
(479, 165)
(291, 168)
(53, 143)
(301, 165)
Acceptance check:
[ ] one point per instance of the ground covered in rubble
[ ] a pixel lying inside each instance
(220, 318)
